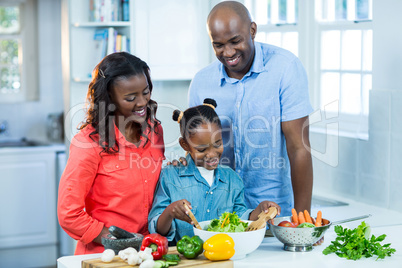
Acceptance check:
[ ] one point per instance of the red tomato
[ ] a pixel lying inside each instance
(287, 224)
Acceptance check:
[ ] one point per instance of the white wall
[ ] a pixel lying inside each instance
(170, 95)
(367, 171)
(370, 171)
(28, 119)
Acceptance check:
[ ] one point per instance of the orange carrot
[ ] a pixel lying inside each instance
(307, 216)
(295, 219)
(301, 218)
(223, 223)
(318, 219)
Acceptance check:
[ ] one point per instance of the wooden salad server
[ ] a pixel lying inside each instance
(262, 219)
(192, 217)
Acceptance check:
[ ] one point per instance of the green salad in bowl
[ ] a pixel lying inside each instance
(233, 226)
(227, 223)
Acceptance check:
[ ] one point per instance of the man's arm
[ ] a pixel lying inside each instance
(301, 168)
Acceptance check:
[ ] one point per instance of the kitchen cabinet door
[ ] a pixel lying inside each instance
(28, 208)
(171, 37)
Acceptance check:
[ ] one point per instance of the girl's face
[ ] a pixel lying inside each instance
(205, 145)
(131, 97)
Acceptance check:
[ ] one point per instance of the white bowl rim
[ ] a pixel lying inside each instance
(207, 222)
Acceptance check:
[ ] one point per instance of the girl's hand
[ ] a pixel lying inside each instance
(263, 206)
(177, 210)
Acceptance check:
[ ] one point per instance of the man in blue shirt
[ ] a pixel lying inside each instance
(262, 92)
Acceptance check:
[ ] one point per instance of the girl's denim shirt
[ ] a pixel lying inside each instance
(208, 202)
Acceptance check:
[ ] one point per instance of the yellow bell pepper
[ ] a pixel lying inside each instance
(219, 247)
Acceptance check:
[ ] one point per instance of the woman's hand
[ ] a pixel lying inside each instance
(176, 163)
(263, 206)
(98, 239)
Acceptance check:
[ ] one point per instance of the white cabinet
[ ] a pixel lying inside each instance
(172, 37)
(28, 226)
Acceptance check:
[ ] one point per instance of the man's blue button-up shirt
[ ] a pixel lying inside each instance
(251, 110)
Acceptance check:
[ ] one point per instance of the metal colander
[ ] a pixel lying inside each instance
(302, 239)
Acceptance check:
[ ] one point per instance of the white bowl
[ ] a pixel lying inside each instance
(245, 242)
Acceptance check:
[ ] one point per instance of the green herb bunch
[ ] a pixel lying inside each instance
(356, 243)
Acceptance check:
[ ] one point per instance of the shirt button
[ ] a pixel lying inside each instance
(207, 210)
(212, 192)
(117, 166)
(207, 192)
(146, 181)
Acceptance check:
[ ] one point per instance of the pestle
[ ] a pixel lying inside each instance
(119, 233)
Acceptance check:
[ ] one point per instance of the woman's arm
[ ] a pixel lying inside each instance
(75, 184)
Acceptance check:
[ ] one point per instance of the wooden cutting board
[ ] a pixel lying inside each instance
(200, 261)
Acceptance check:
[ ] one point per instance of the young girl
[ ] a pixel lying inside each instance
(208, 188)
(115, 159)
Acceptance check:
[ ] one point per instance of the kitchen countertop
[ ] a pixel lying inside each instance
(271, 253)
(52, 147)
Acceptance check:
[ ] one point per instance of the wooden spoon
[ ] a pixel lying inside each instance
(192, 217)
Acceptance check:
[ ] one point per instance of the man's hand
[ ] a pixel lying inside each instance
(319, 242)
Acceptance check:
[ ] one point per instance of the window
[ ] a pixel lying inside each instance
(276, 22)
(344, 59)
(18, 53)
(333, 38)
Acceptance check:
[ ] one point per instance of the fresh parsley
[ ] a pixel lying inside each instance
(356, 243)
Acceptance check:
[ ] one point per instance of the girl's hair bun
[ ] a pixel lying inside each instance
(176, 114)
(210, 101)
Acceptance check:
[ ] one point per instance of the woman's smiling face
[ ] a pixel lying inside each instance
(131, 96)
(205, 145)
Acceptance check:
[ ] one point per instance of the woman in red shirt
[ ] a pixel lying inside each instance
(115, 159)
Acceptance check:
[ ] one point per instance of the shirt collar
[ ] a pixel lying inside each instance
(256, 67)
(191, 170)
(123, 141)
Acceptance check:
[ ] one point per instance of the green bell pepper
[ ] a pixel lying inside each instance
(190, 247)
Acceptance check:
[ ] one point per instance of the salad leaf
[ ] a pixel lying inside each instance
(356, 243)
(228, 223)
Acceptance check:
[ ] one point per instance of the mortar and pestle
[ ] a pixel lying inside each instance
(119, 239)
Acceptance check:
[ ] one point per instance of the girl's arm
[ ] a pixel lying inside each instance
(175, 210)
(164, 211)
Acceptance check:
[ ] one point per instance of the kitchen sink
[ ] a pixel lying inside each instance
(319, 202)
(21, 143)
